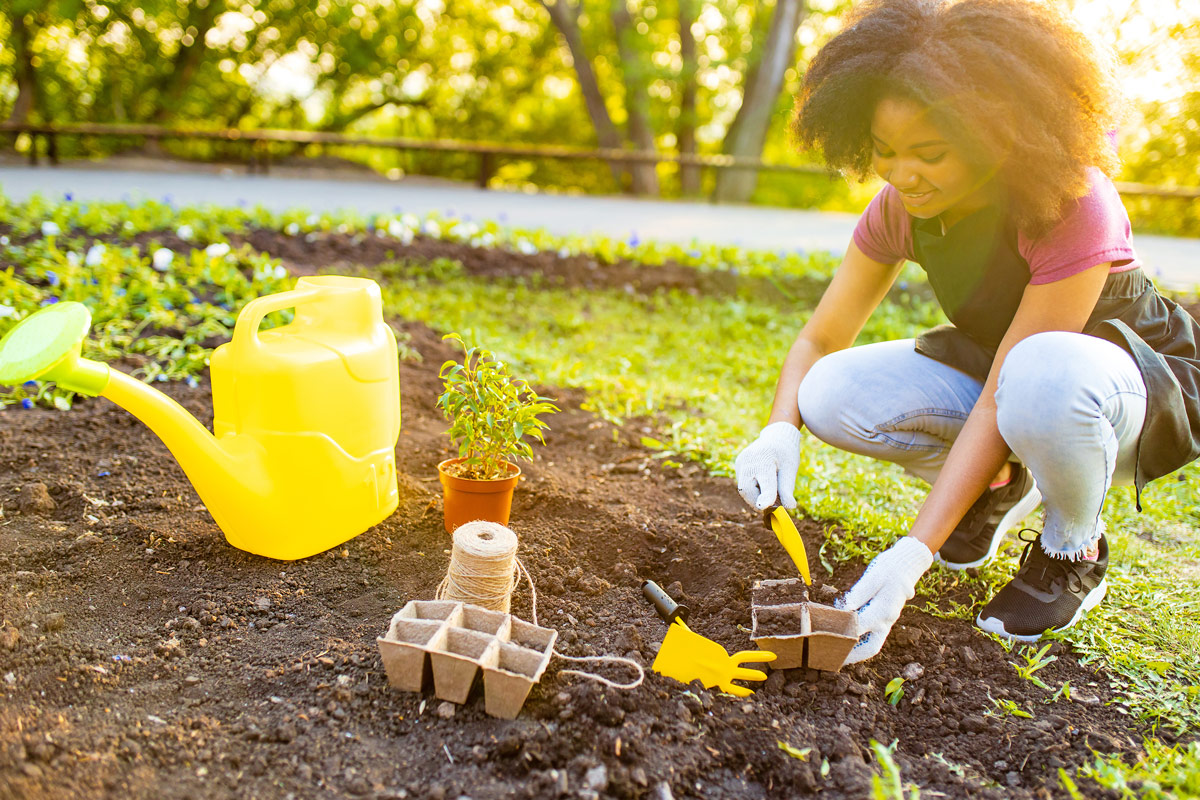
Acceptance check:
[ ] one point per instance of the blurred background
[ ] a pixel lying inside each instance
(682, 76)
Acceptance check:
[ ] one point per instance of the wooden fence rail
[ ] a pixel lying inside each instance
(258, 156)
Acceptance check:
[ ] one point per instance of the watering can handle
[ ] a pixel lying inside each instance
(245, 330)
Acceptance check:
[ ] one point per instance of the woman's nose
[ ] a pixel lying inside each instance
(904, 179)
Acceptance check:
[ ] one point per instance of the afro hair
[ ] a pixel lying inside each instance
(1013, 83)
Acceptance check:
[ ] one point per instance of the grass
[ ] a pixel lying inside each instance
(703, 367)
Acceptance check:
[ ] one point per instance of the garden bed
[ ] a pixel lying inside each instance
(142, 656)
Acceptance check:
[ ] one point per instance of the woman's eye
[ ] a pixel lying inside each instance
(882, 154)
(933, 159)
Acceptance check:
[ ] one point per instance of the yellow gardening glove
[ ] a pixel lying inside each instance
(687, 656)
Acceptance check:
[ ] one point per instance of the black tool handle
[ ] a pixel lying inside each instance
(668, 609)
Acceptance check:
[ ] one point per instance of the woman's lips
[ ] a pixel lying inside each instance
(917, 199)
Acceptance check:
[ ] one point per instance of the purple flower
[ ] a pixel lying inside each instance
(633, 239)
(52, 278)
(26, 404)
(68, 197)
(31, 386)
(49, 301)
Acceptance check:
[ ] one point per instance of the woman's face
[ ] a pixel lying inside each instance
(931, 174)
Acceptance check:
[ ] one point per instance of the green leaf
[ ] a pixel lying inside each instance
(798, 753)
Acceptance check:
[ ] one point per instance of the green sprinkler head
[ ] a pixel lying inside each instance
(45, 346)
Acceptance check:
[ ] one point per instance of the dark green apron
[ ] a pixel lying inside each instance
(979, 276)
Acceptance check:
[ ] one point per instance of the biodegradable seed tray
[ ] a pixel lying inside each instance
(450, 643)
(799, 632)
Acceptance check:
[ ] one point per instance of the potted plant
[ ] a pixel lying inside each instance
(490, 414)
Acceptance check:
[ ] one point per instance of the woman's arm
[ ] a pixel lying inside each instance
(979, 451)
(858, 286)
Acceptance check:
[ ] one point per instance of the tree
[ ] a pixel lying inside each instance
(644, 52)
(763, 81)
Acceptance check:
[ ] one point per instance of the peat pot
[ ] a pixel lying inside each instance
(467, 500)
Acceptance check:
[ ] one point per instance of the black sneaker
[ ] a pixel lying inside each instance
(1047, 594)
(996, 512)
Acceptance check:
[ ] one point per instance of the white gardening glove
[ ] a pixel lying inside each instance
(767, 467)
(880, 594)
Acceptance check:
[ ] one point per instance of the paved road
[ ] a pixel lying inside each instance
(1174, 262)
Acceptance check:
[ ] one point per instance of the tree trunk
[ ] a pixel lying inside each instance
(689, 175)
(565, 19)
(178, 79)
(763, 81)
(27, 88)
(637, 100)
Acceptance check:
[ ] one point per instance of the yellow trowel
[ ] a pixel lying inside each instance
(687, 656)
(777, 519)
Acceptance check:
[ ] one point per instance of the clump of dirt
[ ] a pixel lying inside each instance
(141, 655)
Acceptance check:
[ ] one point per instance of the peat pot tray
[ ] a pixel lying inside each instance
(799, 632)
(449, 644)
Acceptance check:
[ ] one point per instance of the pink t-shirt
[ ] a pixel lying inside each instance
(1094, 230)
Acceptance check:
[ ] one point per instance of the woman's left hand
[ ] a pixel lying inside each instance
(880, 594)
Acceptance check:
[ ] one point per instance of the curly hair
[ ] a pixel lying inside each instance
(1013, 83)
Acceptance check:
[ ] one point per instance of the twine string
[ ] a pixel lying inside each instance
(485, 570)
(483, 566)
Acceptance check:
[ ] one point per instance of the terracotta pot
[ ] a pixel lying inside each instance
(467, 500)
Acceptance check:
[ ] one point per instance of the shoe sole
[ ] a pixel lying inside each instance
(1020, 511)
(1093, 599)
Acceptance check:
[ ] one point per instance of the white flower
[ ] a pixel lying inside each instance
(411, 220)
(292, 228)
(397, 229)
(7, 311)
(4, 240)
(432, 229)
(95, 255)
(487, 240)
(525, 246)
(564, 252)
(280, 272)
(73, 258)
(217, 250)
(51, 229)
(184, 232)
(162, 258)
(312, 219)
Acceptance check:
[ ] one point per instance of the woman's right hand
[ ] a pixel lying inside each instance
(767, 468)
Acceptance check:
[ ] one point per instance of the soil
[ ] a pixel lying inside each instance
(142, 656)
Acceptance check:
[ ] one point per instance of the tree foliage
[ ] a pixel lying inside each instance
(704, 76)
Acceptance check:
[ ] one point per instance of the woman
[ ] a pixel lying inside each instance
(1063, 371)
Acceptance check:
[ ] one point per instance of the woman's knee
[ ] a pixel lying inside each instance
(1049, 380)
(822, 396)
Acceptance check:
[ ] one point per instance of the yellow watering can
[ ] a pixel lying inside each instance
(306, 416)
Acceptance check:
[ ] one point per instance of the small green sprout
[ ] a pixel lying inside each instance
(887, 785)
(894, 691)
(1063, 693)
(1033, 663)
(1008, 708)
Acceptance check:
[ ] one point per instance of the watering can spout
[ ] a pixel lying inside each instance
(306, 416)
(234, 463)
(47, 346)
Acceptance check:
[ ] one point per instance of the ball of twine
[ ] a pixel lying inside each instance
(483, 566)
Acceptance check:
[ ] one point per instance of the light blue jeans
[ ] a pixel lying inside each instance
(1069, 406)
